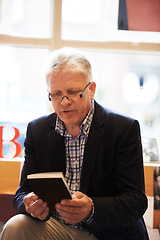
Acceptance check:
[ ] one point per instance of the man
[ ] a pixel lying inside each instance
(99, 153)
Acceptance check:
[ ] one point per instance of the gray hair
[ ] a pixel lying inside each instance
(68, 59)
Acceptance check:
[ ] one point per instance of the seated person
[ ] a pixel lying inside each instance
(98, 151)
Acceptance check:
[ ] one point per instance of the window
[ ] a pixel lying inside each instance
(124, 63)
(22, 85)
(97, 20)
(24, 45)
(26, 18)
(119, 77)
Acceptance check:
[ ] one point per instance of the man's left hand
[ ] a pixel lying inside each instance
(75, 210)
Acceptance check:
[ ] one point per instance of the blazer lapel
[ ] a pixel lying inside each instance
(92, 147)
(56, 150)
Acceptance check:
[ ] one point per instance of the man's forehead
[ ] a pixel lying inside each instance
(66, 78)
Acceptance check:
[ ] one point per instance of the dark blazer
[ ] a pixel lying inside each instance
(112, 172)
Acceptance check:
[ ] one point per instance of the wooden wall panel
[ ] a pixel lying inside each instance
(149, 178)
(9, 176)
(149, 186)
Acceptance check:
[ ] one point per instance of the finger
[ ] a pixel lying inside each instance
(68, 215)
(77, 195)
(71, 218)
(31, 197)
(34, 206)
(38, 211)
(69, 209)
(73, 202)
(76, 200)
(44, 214)
(38, 201)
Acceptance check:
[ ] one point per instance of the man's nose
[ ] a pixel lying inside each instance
(65, 97)
(65, 100)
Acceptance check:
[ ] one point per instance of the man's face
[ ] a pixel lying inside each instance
(71, 111)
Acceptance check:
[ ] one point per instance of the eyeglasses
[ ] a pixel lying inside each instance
(71, 95)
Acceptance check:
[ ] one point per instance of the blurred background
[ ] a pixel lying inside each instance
(120, 38)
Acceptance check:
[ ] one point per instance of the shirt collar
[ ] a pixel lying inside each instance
(85, 126)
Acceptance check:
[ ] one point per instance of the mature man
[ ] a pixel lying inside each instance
(98, 151)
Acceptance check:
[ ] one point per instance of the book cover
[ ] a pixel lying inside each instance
(51, 187)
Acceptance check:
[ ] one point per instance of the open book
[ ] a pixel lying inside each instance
(51, 187)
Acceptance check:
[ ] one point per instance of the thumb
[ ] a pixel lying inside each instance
(77, 195)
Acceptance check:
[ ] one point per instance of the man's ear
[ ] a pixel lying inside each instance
(92, 88)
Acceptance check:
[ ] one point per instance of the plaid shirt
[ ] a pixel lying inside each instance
(74, 151)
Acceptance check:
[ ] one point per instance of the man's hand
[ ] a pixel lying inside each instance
(36, 207)
(75, 210)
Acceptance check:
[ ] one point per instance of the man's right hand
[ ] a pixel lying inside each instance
(36, 207)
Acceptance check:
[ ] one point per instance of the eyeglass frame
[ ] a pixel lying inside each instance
(80, 95)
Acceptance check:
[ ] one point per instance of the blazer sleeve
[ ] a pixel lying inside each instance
(29, 166)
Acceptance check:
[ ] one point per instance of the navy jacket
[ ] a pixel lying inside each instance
(112, 172)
